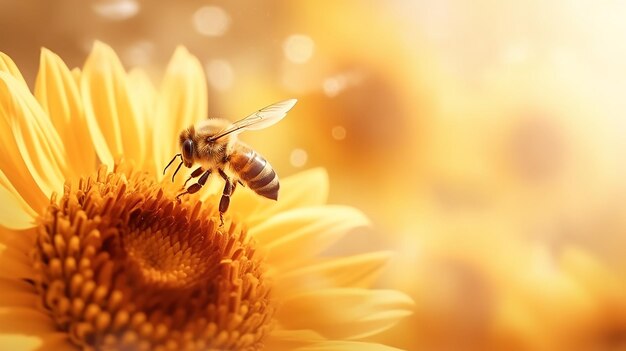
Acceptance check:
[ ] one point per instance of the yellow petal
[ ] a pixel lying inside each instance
(57, 342)
(15, 264)
(18, 299)
(57, 92)
(7, 65)
(76, 74)
(347, 346)
(295, 236)
(144, 94)
(308, 188)
(345, 313)
(25, 320)
(20, 240)
(182, 101)
(33, 155)
(113, 119)
(16, 342)
(15, 213)
(23, 328)
(16, 286)
(288, 340)
(18, 293)
(244, 203)
(359, 271)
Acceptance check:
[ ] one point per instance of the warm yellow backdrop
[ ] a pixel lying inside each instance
(486, 140)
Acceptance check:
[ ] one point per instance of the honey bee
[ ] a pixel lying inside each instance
(213, 144)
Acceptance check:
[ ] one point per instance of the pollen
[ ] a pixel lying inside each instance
(121, 265)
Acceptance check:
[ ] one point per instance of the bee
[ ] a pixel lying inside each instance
(213, 144)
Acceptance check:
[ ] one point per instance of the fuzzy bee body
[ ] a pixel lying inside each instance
(213, 144)
(255, 171)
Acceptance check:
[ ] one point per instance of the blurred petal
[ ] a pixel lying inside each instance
(15, 342)
(244, 203)
(295, 236)
(291, 339)
(19, 299)
(25, 320)
(20, 240)
(17, 322)
(57, 92)
(345, 313)
(15, 212)
(112, 116)
(18, 293)
(16, 265)
(599, 280)
(304, 189)
(7, 65)
(76, 74)
(357, 271)
(57, 341)
(347, 346)
(144, 94)
(33, 154)
(182, 101)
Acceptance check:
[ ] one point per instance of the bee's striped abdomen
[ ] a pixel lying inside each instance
(255, 172)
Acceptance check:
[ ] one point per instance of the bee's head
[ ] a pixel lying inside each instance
(188, 146)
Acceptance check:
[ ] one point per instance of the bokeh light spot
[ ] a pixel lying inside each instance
(139, 53)
(116, 10)
(298, 157)
(220, 74)
(338, 132)
(211, 21)
(298, 48)
(333, 86)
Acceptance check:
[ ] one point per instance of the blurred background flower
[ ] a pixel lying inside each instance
(485, 139)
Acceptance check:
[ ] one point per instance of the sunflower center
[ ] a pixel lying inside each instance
(122, 266)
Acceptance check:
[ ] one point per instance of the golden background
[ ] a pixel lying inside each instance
(485, 139)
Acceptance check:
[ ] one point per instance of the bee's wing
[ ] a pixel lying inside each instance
(262, 118)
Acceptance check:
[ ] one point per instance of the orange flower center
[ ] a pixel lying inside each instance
(122, 266)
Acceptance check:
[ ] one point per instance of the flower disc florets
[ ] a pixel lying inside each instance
(123, 266)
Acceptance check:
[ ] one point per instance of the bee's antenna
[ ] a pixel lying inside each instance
(176, 171)
(166, 167)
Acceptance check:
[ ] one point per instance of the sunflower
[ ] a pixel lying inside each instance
(97, 254)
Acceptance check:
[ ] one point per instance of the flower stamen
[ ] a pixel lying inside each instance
(122, 265)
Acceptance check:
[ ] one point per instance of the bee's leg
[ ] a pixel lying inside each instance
(176, 171)
(234, 187)
(225, 200)
(223, 174)
(194, 174)
(172, 161)
(193, 188)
